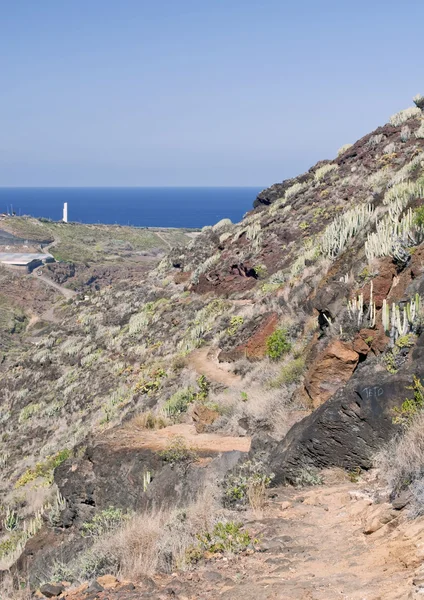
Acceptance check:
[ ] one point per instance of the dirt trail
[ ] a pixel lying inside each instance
(131, 436)
(159, 235)
(206, 364)
(312, 547)
(62, 290)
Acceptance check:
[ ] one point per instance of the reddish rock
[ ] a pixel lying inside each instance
(332, 369)
(382, 283)
(360, 346)
(417, 263)
(107, 581)
(203, 416)
(182, 277)
(376, 339)
(255, 347)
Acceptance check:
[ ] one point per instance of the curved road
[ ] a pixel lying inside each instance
(62, 290)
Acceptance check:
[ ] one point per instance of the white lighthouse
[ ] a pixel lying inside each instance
(65, 212)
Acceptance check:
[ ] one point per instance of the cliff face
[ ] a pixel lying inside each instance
(273, 330)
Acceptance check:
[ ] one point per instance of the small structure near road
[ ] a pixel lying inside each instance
(22, 261)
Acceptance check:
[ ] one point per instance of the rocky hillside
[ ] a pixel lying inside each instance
(143, 422)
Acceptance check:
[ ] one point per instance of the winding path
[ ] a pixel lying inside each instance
(62, 290)
(206, 364)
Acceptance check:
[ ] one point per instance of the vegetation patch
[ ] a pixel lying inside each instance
(178, 452)
(277, 344)
(247, 486)
(406, 413)
(226, 538)
(104, 522)
(44, 469)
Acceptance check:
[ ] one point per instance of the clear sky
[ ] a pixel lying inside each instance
(196, 92)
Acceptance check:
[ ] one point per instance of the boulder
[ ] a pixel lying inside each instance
(107, 582)
(382, 283)
(332, 368)
(346, 430)
(331, 299)
(375, 339)
(203, 416)
(51, 590)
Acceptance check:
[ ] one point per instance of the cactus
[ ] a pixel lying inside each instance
(147, 478)
(398, 322)
(11, 520)
(337, 235)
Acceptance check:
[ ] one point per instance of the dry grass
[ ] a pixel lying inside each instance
(159, 540)
(256, 407)
(147, 420)
(7, 592)
(401, 461)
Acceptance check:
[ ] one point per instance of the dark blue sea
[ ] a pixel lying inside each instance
(142, 206)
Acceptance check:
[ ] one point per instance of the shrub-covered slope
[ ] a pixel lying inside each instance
(239, 334)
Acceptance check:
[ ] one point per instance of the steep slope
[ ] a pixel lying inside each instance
(292, 315)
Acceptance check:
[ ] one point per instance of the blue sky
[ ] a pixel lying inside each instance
(192, 92)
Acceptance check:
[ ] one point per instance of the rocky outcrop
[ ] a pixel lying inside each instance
(332, 369)
(348, 429)
(255, 347)
(115, 476)
(203, 417)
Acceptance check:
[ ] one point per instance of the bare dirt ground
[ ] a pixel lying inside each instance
(131, 437)
(204, 362)
(312, 546)
(59, 288)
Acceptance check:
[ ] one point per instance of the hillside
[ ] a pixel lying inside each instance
(158, 425)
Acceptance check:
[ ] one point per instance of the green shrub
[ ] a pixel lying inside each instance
(308, 476)
(419, 216)
(177, 452)
(226, 537)
(28, 411)
(204, 386)
(412, 406)
(261, 271)
(235, 324)
(104, 522)
(277, 344)
(247, 485)
(44, 469)
(10, 544)
(179, 402)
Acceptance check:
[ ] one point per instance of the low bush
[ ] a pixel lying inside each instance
(401, 460)
(307, 477)
(291, 372)
(44, 469)
(412, 406)
(277, 344)
(419, 216)
(226, 538)
(179, 402)
(104, 522)
(178, 452)
(247, 486)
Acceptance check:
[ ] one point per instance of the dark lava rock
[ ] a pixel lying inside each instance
(51, 590)
(94, 587)
(347, 429)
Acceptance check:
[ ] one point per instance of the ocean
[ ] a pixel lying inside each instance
(141, 206)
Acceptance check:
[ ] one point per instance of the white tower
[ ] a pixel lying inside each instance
(65, 212)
